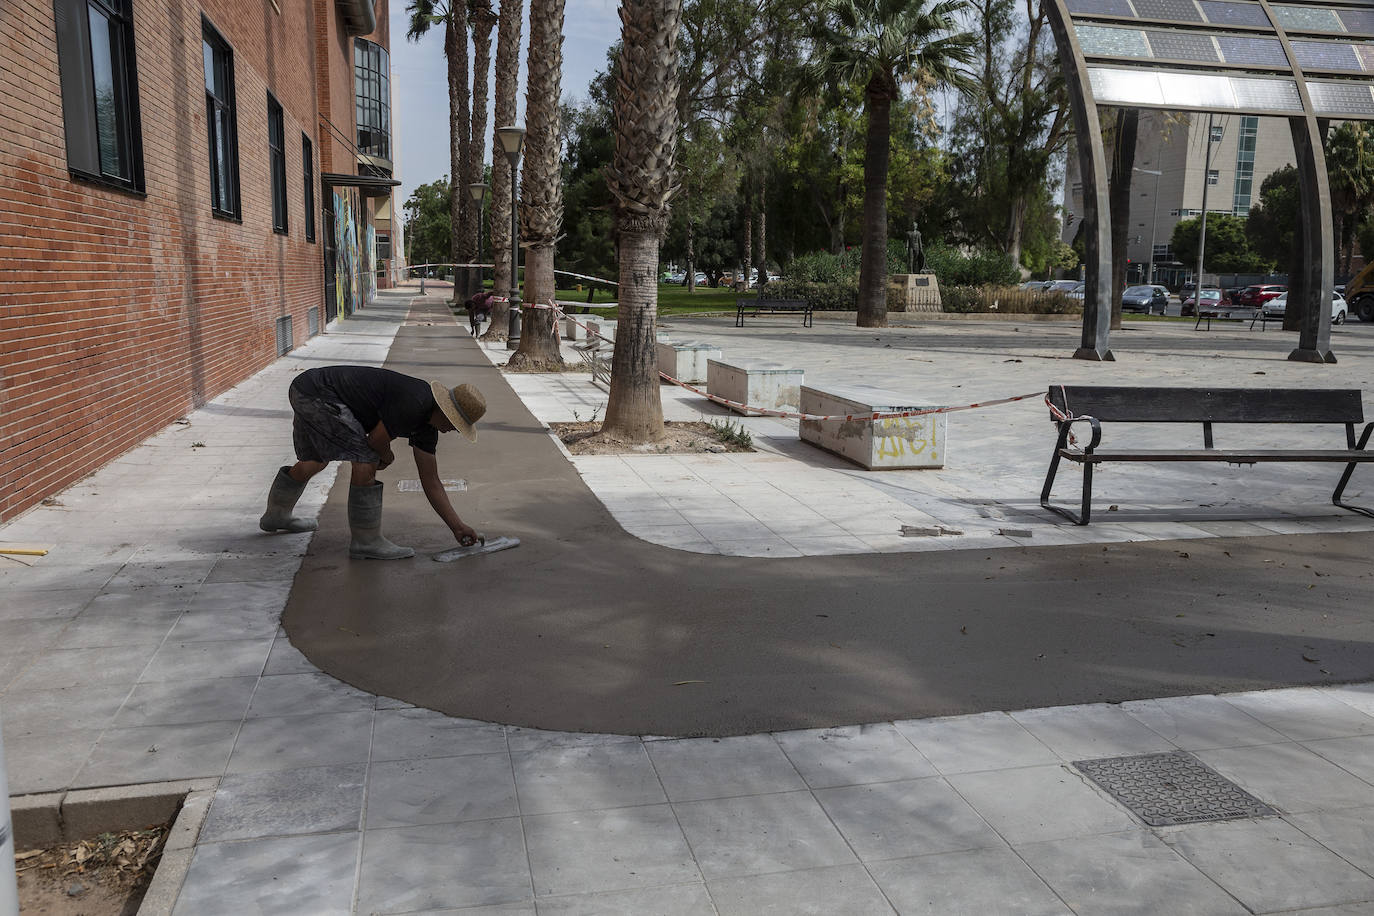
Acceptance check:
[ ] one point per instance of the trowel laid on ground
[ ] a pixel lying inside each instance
(483, 545)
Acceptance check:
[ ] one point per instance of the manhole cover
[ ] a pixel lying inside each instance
(1174, 788)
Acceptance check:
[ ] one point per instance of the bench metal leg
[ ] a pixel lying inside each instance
(1049, 485)
(806, 319)
(739, 318)
(1350, 469)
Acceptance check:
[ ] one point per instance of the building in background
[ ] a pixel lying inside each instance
(1247, 150)
(190, 190)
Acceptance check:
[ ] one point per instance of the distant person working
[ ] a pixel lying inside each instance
(352, 413)
(479, 310)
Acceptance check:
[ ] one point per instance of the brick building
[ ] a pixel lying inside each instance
(189, 190)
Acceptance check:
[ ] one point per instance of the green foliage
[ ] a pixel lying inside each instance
(1008, 299)
(732, 433)
(982, 267)
(429, 229)
(836, 296)
(1273, 219)
(1228, 248)
(588, 244)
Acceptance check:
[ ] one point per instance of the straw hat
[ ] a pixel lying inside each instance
(463, 405)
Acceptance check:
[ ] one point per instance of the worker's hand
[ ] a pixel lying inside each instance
(387, 457)
(466, 535)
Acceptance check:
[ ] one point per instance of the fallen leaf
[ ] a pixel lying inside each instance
(1308, 658)
(685, 683)
(25, 856)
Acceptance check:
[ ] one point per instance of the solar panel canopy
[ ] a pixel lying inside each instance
(1253, 56)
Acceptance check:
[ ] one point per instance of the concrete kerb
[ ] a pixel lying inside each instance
(52, 818)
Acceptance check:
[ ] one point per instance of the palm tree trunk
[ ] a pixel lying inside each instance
(483, 21)
(507, 82)
(873, 264)
(1127, 122)
(760, 253)
(456, 54)
(635, 410)
(748, 242)
(541, 185)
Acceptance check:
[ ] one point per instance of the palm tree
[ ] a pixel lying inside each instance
(454, 15)
(880, 44)
(483, 20)
(1350, 167)
(507, 81)
(642, 182)
(541, 185)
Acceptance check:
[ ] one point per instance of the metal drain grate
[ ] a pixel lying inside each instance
(1174, 788)
(312, 321)
(285, 339)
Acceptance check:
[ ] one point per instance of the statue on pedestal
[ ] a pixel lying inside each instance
(915, 253)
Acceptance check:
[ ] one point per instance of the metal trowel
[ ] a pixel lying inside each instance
(483, 545)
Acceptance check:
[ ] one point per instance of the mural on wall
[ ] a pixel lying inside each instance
(346, 257)
(370, 261)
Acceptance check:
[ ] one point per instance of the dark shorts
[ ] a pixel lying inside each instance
(325, 430)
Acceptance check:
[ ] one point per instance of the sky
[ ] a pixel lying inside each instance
(419, 86)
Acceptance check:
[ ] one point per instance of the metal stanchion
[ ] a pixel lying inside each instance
(9, 890)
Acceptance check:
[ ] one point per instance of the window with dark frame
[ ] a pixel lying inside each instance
(308, 162)
(99, 78)
(276, 152)
(372, 93)
(221, 123)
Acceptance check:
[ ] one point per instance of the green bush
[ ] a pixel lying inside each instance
(982, 268)
(1008, 300)
(834, 297)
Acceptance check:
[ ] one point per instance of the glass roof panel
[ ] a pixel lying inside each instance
(1104, 41)
(1172, 10)
(1352, 99)
(1182, 45)
(1224, 13)
(1306, 18)
(1274, 95)
(1358, 22)
(1101, 7)
(1326, 55)
(1252, 52)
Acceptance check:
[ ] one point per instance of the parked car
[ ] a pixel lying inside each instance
(676, 278)
(1152, 300)
(1277, 308)
(1259, 294)
(1063, 286)
(1078, 291)
(1211, 298)
(1035, 284)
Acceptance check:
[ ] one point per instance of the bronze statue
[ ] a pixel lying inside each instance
(915, 253)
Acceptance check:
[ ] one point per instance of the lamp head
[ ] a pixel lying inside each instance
(477, 191)
(511, 139)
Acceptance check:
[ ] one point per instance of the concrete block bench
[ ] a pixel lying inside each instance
(686, 362)
(756, 382)
(883, 444)
(576, 329)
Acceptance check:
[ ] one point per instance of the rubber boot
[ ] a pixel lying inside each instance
(365, 518)
(281, 499)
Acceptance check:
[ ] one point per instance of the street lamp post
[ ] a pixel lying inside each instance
(1202, 231)
(511, 139)
(1154, 223)
(477, 191)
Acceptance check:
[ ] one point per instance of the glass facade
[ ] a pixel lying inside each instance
(372, 92)
(1245, 166)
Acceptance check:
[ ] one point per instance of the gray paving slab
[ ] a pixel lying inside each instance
(286, 803)
(157, 753)
(439, 790)
(841, 890)
(581, 778)
(410, 733)
(443, 866)
(968, 744)
(288, 742)
(853, 754)
(759, 834)
(672, 900)
(985, 882)
(279, 875)
(1290, 777)
(1031, 804)
(697, 768)
(580, 852)
(182, 702)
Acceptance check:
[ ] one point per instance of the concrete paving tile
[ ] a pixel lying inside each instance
(282, 876)
(183, 661)
(32, 636)
(1033, 804)
(157, 753)
(267, 596)
(62, 578)
(46, 763)
(256, 569)
(582, 852)
(534, 739)
(1127, 873)
(407, 793)
(1090, 731)
(149, 599)
(202, 624)
(968, 744)
(90, 631)
(1290, 777)
(57, 668)
(183, 571)
(287, 659)
(698, 768)
(828, 546)
(1269, 865)
(183, 702)
(986, 882)
(286, 802)
(673, 900)
(409, 733)
(50, 712)
(1359, 696)
(853, 755)
(1355, 755)
(1303, 713)
(306, 694)
(1349, 833)
(443, 865)
(23, 604)
(841, 890)
(523, 908)
(759, 834)
(1201, 722)
(894, 820)
(289, 742)
(582, 778)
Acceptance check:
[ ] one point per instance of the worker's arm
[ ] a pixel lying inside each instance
(428, 465)
(379, 440)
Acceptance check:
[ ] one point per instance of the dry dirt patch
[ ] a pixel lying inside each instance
(679, 439)
(106, 875)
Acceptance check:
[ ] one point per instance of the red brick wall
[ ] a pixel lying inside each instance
(119, 313)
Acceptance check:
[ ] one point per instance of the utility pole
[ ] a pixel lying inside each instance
(1202, 232)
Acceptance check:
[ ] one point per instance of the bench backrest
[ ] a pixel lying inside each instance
(1210, 405)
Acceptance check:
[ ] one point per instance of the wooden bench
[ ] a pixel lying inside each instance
(1095, 405)
(772, 305)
